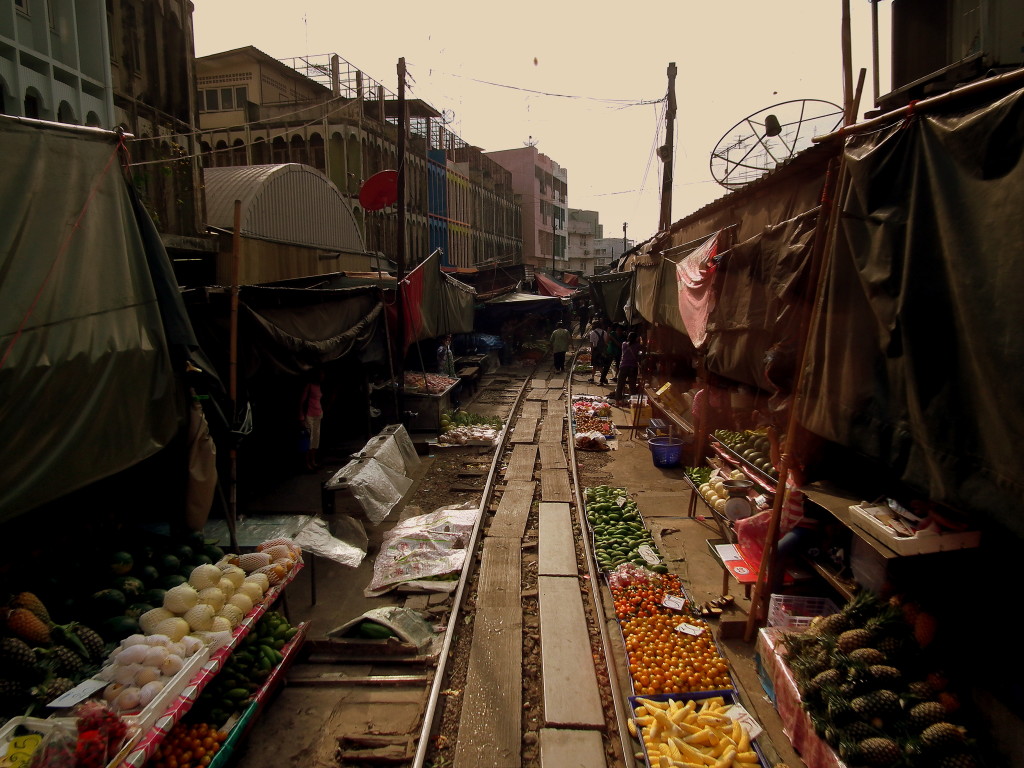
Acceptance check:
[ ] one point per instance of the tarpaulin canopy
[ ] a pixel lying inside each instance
(527, 302)
(695, 280)
(915, 355)
(87, 386)
(611, 294)
(758, 287)
(296, 330)
(549, 286)
(435, 303)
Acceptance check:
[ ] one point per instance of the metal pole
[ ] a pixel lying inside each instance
(236, 255)
(624, 248)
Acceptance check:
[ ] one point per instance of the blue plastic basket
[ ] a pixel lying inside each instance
(666, 451)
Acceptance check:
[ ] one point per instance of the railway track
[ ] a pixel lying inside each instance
(524, 673)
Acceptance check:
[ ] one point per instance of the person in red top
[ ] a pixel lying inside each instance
(311, 413)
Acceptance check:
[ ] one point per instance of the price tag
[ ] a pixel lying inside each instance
(675, 602)
(81, 691)
(737, 713)
(689, 629)
(648, 554)
(621, 500)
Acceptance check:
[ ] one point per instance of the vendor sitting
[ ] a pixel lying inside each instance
(446, 367)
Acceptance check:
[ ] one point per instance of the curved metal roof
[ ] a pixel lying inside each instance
(290, 203)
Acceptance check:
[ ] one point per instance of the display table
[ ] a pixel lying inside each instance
(796, 724)
(427, 409)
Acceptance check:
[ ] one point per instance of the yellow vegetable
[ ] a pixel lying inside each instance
(746, 757)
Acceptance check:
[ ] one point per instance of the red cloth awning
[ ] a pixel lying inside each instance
(547, 286)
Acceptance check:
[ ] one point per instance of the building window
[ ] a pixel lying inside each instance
(22, 6)
(217, 99)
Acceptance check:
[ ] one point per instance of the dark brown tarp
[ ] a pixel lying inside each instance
(916, 355)
(758, 285)
(611, 294)
(87, 386)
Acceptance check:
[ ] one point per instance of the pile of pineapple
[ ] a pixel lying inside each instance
(41, 660)
(864, 679)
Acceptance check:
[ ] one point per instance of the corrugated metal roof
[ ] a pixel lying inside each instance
(290, 203)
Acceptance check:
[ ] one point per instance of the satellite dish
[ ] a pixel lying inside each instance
(379, 191)
(765, 140)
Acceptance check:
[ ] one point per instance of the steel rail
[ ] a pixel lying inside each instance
(432, 712)
(622, 712)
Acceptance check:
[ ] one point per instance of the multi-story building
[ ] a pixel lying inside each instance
(584, 227)
(590, 252)
(541, 185)
(608, 249)
(116, 64)
(323, 112)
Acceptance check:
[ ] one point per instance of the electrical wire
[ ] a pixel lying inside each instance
(622, 102)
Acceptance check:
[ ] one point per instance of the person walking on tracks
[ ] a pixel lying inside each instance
(560, 338)
(598, 358)
(632, 349)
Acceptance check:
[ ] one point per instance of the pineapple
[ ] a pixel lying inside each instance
(852, 639)
(63, 661)
(867, 656)
(14, 695)
(32, 603)
(961, 760)
(942, 737)
(834, 624)
(877, 707)
(879, 751)
(52, 688)
(17, 660)
(29, 627)
(839, 710)
(886, 676)
(927, 713)
(90, 639)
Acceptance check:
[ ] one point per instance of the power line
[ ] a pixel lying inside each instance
(622, 102)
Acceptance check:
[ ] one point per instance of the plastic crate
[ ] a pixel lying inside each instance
(797, 611)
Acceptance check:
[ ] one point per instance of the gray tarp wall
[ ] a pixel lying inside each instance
(917, 355)
(86, 384)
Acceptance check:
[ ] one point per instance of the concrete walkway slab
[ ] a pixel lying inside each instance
(531, 409)
(556, 549)
(561, 748)
(664, 504)
(571, 696)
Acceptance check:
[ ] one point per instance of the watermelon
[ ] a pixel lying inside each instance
(149, 574)
(129, 586)
(117, 628)
(169, 564)
(121, 563)
(171, 580)
(201, 560)
(135, 610)
(183, 552)
(154, 596)
(213, 552)
(108, 602)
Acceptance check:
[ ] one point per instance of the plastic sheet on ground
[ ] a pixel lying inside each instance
(343, 542)
(426, 552)
(404, 622)
(393, 448)
(376, 487)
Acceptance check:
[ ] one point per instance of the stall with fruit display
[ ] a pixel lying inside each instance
(684, 704)
(186, 654)
(427, 396)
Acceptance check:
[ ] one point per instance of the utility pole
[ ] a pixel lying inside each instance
(400, 255)
(666, 152)
(624, 225)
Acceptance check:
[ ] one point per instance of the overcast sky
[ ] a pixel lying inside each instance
(603, 60)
